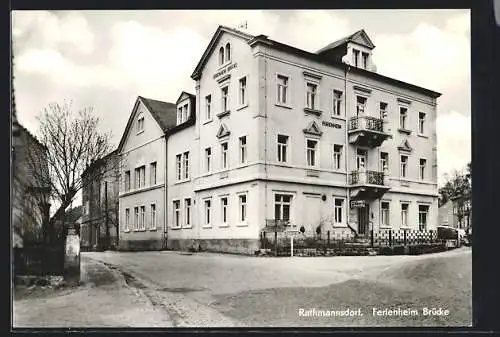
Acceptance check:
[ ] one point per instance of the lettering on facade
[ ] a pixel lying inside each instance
(225, 70)
(331, 125)
(357, 203)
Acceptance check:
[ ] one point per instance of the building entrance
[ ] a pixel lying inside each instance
(364, 220)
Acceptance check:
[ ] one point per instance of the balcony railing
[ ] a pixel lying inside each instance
(366, 177)
(366, 123)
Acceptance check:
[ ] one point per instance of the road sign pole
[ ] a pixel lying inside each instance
(291, 245)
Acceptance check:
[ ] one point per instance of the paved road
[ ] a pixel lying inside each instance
(204, 289)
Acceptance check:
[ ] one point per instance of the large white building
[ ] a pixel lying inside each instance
(311, 139)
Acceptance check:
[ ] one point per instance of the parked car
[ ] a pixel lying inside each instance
(462, 234)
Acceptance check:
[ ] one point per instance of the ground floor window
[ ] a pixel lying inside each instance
(127, 220)
(384, 214)
(242, 207)
(339, 209)
(208, 211)
(224, 204)
(136, 218)
(142, 224)
(282, 203)
(187, 212)
(423, 211)
(404, 215)
(152, 225)
(177, 213)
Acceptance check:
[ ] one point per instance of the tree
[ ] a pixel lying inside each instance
(72, 141)
(458, 186)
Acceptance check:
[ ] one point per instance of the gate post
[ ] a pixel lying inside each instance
(371, 237)
(390, 238)
(404, 236)
(275, 242)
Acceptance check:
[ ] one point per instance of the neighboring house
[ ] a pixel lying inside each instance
(310, 139)
(31, 188)
(457, 213)
(143, 152)
(99, 227)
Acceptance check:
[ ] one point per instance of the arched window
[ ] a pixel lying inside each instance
(228, 52)
(221, 55)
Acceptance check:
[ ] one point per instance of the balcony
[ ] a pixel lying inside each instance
(366, 131)
(367, 185)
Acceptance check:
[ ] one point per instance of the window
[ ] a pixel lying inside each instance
(423, 163)
(384, 161)
(404, 164)
(127, 180)
(383, 110)
(142, 223)
(282, 148)
(339, 209)
(365, 60)
(361, 159)
(242, 198)
(224, 204)
(178, 165)
(224, 155)
(404, 215)
(403, 115)
(208, 107)
(221, 55)
(423, 211)
(282, 89)
(421, 123)
(152, 224)
(177, 213)
(224, 95)
(136, 218)
(228, 52)
(337, 156)
(179, 115)
(311, 149)
(208, 207)
(242, 98)
(311, 96)
(282, 204)
(140, 176)
(384, 214)
(208, 158)
(127, 220)
(337, 103)
(186, 165)
(185, 114)
(360, 105)
(356, 56)
(243, 149)
(140, 123)
(187, 212)
(152, 173)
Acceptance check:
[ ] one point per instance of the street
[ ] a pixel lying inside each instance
(203, 289)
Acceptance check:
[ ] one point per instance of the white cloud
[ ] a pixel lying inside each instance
(430, 56)
(45, 29)
(454, 141)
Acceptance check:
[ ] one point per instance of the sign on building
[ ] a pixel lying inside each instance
(358, 203)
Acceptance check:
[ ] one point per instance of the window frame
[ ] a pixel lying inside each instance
(314, 103)
(176, 214)
(208, 159)
(207, 213)
(224, 211)
(287, 103)
(152, 169)
(153, 217)
(224, 155)
(242, 103)
(342, 208)
(187, 219)
(208, 107)
(140, 123)
(126, 227)
(337, 157)
(136, 218)
(422, 169)
(225, 98)
(185, 166)
(337, 103)
(426, 212)
(178, 167)
(403, 166)
(242, 149)
(283, 145)
(242, 208)
(403, 117)
(382, 160)
(282, 204)
(387, 216)
(316, 163)
(421, 123)
(127, 181)
(142, 218)
(404, 214)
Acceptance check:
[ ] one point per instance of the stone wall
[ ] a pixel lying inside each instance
(140, 245)
(235, 246)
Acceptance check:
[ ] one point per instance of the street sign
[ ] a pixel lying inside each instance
(358, 203)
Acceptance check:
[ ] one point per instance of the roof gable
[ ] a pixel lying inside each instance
(184, 95)
(164, 114)
(359, 37)
(213, 42)
(313, 129)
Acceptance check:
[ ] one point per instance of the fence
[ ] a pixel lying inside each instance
(281, 243)
(39, 260)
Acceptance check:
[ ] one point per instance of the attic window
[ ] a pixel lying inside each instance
(356, 56)
(140, 123)
(365, 60)
(228, 52)
(221, 56)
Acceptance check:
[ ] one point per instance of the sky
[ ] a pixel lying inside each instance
(105, 59)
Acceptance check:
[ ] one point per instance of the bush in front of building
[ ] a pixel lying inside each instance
(417, 249)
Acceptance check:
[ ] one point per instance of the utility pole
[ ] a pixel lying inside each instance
(106, 213)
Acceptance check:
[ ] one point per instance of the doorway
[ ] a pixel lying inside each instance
(364, 220)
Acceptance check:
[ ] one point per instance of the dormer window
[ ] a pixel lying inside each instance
(140, 123)
(182, 114)
(228, 52)
(356, 57)
(221, 56)
(365, 60)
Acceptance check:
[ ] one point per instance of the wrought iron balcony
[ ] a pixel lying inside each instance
(366, 131)
(367, 185)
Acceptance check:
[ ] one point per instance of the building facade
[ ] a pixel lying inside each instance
(99, 227)
(319, 141)
(457, 213)
(143, 154)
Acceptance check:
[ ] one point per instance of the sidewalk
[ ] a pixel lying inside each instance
(103, 300)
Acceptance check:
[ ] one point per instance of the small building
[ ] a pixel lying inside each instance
(457, 213)
(99, 227)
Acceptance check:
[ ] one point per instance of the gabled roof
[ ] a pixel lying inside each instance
(204, 58)
(313, 129)
(356, 37)
(223, 131)
(163, 112)
(184, 95)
